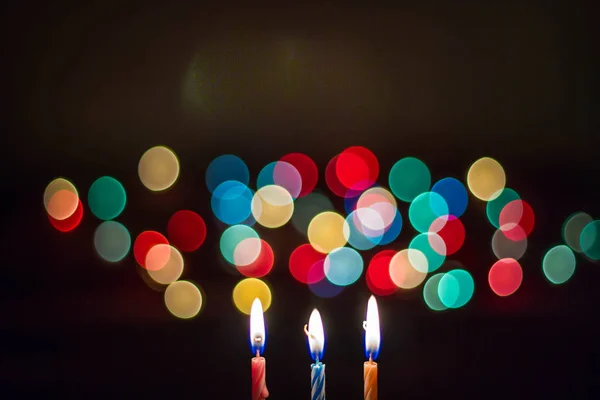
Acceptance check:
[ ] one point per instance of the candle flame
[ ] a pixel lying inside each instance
(371, 327)
(257, 327)
(316, 335)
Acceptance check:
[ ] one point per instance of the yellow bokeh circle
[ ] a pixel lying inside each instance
(249, 289)
(158, 168)
(328, 231)
(170, 269)
(404, 273)
(486, 179)
(272, 206)
(61, 199)
(183, 299)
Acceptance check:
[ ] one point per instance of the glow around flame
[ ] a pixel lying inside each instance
(316, 335)
(257, 327)
(371, 326)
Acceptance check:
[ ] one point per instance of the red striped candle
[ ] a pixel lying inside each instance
(257, 341)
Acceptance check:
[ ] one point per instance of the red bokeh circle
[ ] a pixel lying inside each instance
(307, 169)
(263, 263)
(302, 264)
(452, 232)
(357, 168)
(378, 274)
(144, 242)
(517, 213)
(505, 276)
(186, 230)
(334, 184)
(70, 223)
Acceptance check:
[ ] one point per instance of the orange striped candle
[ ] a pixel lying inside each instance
(372, 342)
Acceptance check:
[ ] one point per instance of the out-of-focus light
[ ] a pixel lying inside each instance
(307, 169)
(226, 168)
(343, 266)
(304, 259)
(186, 230)
(559, 264)
(452, 232)
(486, 179)
(305, 208)
(378, 276)
(456, 288)
(431, 293)
(454, 193)
(432, 246)
(249, 289)
(112, 241)
(144, 242)
(272, 206)
(163, 272)
(262, 265)
(325, 289)
(505, 277)
(357, 168)
(381, 201)
(392, 231)
(504, 247)
(107, 198)
(68, 224)
(282, 174)
(183, 299)
(517, 220)
(425, 209)
(590, 240)
(572, 228)
(61, 199)
(356, 237)
(333, 182)
(402, 268)
(499, 200)
(158, 168)
(231, 239)
(327, 231)
(409, 177)
(231, 202)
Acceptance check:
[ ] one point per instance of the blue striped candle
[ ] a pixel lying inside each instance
(317, 379)
(316, 343)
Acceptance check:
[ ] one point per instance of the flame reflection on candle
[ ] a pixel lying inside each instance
(371, 326)
(257, 327)
(316, 336)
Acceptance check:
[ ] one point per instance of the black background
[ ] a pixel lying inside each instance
(91, 86)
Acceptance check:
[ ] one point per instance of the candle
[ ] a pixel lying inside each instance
(372, 341)
(316, 344)
(257, 342)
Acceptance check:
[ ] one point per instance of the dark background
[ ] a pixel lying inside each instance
(91, 86)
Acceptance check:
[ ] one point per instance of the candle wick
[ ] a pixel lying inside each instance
(370, 358)
(310, 335)
(257, 353)
(365, 325)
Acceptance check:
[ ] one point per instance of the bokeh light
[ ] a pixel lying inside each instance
(261, 265)
(392, 231)
(158, 168)
(432, 246)
(431, 293)
(517, 220)
(454, 193)
(425, 209)
(402, 270)
(272, 206)
(249, 289)
(327, 231)
(112, 241)
(504, 247)
(343, 266)
(307, 169)
(452, 232)
(282, 174)
(144, 242)
(486, 179)
(572, 228)
(230, 240)
(186, 230)
(164, 270)
(357, 168)
(183, 299)
(61, 199)
(456, 288)
(505, 276)
(408, 178)
(381, 201)
(302, 264)
(590, 240)
(305, 208)
(226, 168)
(325, 289)
(333, 182)
(559, 264)
(378, 276)
(70, 223)
(356, 237)
(499, 201)
(231, 202)
(107, 198)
